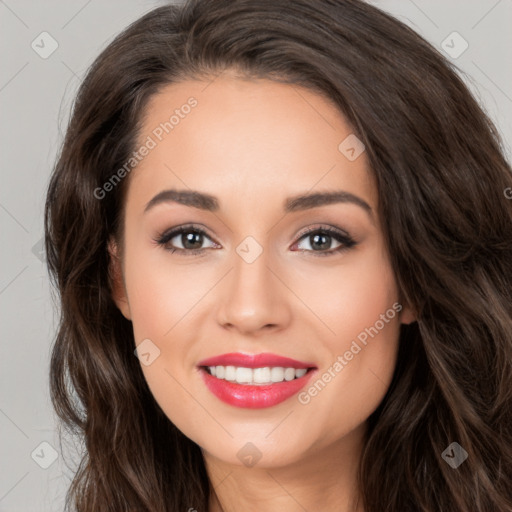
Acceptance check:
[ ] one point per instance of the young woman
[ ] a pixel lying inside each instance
(282, 241)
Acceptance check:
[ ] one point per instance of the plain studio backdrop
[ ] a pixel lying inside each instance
(47, 47)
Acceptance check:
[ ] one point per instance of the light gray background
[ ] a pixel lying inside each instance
(35, 97)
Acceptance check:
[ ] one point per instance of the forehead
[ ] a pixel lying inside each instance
(245, 140)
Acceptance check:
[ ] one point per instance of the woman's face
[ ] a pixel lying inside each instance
(260, 283)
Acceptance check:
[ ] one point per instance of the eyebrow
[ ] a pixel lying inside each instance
(300, 202)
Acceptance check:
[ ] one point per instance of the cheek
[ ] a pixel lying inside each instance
(347, 299)
(361, 310)
(161, 294)
(367, 323)
(162, 299)
(367, 294)
(161, 303)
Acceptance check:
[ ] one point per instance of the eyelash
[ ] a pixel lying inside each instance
(346, 240)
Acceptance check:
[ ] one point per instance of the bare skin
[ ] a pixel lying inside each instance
(253, 144)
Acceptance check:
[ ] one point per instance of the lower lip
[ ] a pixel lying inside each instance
(254, 397)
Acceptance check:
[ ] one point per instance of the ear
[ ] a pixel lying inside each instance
(116, 280)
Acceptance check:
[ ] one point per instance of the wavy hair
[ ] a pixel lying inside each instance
(441, 177)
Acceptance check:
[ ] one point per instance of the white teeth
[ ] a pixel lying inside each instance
(256, 376)
(243, 375)
(261, 375)
(289, 374)
(230, 373)
(277, 374)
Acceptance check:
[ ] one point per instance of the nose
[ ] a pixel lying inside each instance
(254, 298)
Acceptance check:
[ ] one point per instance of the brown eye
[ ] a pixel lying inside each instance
(320, 241)
(191, 240)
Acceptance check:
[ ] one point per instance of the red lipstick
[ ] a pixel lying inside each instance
(254, 396)
(254, 361)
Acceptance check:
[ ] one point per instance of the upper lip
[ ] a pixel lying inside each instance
(254, 361)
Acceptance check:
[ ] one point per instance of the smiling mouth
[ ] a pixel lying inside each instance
(263, 376)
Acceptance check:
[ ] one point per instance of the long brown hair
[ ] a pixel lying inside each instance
(441, 178)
